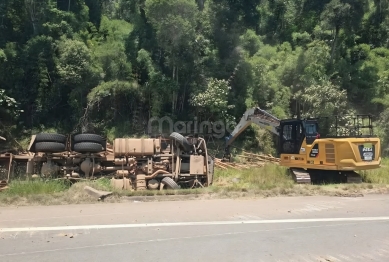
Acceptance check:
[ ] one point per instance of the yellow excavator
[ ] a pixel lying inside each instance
(315, 154)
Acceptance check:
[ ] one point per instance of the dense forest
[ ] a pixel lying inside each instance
(108, 66)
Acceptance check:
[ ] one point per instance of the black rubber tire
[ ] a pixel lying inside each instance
(211, 168)
(170, 183)
(49, 147)
(48, 137)
(93, 138)
(211, 164)
(181, 140)
(88, 147)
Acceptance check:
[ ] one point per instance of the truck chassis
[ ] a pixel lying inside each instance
(132, 163)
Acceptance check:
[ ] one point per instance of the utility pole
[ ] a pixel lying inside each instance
(69, 6)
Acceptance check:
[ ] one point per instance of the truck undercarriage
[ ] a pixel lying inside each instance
(131, 163)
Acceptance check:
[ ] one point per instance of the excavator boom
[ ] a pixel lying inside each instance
(256, 116)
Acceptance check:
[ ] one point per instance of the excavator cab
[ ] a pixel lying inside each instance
(294, 131)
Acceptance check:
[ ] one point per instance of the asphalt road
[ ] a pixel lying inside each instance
(274, 229)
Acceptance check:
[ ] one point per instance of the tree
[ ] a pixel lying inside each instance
(325, 99)
(213, 101)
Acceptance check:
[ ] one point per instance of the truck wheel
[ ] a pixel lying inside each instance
(181, 140)
(211, 169)
(49, 147)
(88, 147)
(93, 138)
(47, 137)
(170, 183)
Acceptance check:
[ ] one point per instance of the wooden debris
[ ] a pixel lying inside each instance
(3, 185)
(251, 161)
(225, 164)
(220, 166)
(262, 156)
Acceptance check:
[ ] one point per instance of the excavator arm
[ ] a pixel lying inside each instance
(252, 116)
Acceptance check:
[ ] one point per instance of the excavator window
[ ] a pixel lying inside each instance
(291, 137)
(311, 131)
(287, 132)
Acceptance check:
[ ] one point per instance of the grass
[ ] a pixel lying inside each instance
(378, 176)
(27, 188)
(267, 181)
(262, 178)
(273, 180)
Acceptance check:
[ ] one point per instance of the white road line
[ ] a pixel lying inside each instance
(204, 223)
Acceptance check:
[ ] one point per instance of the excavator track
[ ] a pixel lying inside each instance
(353, 177)
(300, 176)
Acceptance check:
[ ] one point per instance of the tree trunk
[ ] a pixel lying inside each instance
(173, 76)
(183, 98)
(31, 9)
(337, 29)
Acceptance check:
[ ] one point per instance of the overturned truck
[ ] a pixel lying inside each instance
(133, 163)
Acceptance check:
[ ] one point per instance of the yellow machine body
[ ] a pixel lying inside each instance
(337, 154)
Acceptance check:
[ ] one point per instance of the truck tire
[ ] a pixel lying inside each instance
(93, 138)
(170, 183)
(88, 147)
(48, 137)
(49, 147)
(211, 169)
(181, 140)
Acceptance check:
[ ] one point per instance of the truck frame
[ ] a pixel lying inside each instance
(132, 163)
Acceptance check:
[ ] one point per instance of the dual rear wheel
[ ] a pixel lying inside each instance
(50, 143)
(81, 143)
(89, 143)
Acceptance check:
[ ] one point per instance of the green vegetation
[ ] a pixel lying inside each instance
(378, 176)
(36, 187)
(262, 178)
(107, 66)
(270, 180)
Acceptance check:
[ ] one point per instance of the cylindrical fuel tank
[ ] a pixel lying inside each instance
(134, 147)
